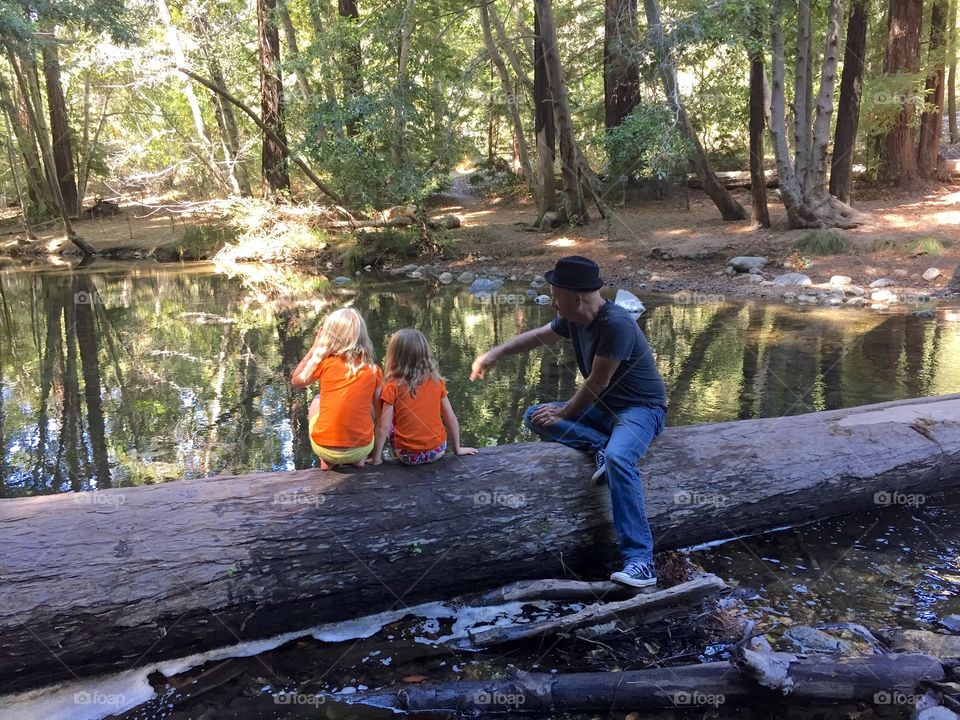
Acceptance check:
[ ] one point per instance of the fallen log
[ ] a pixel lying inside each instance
(812, 679)
(122, 577)
(647, 607)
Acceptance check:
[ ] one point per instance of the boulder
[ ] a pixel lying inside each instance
(931, 274)
(841, 281)
(792, 278)
(882, 283)
(746, 263)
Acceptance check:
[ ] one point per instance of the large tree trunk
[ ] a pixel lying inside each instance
(60, 129)
(848, 108)
(902, 56)
(36, 184)
(931, 123)
(274, 171)
(544, 127)
(571, 162)
(729, 208)
(803, 90)
(621, 75)
(758, 180)
(815, 181)
(952, 82)
(187, 566)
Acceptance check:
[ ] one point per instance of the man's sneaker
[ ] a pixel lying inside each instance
(598, 474)
(636, 574)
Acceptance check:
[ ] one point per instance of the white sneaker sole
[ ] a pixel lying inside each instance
(599, 473)
(624, 579)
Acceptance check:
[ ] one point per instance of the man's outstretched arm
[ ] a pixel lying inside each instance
(524, 342)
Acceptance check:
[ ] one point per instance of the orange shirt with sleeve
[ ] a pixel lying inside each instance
(416, 418)
(346, 396)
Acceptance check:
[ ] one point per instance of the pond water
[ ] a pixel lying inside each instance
(119, 375)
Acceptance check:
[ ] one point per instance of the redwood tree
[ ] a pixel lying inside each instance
(848, 108)
(898, 151)
(928, 148)
(60, 129)
(276, 177)
(621, 76)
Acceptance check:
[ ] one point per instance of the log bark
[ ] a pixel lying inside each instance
(132, 575)
(848, 108)
(814, 679)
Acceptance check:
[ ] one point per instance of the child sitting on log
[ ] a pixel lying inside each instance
(415, 412)
(341, 417)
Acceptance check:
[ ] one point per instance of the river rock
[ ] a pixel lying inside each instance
(810, 639)
(931, 274)
(841, 280)
(951, 623)
(792, 278)
(446, 278)
(854, 290)
(882, 283)
(856, 301)
(936, 644)
(833, 301)
(531, 293)
(883, 296)
(542, 300)
(485, 285)
(924, 314)
(728, 270)
(746, 263)
(466, 277)
(341, 280)
(755, 277)
(900, 272)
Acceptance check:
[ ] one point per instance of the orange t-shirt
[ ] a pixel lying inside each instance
(346, 397)
(416, 418)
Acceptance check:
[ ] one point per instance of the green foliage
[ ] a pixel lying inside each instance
(646, 144)
(930, 246)
(822, 242)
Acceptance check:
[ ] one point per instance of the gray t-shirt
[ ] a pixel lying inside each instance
(614, 334)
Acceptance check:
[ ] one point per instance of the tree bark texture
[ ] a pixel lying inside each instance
(952, 81)
(931, 122)
(848, 107)
(274, 172)
(902, 55)
(729, 208)
(758, 181)
(60, 129)
(133, 575)
(621, 75)
(544, 126)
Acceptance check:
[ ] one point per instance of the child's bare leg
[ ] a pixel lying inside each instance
(359, 463)
(324, 465)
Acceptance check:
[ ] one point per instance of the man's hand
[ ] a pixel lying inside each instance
(548, 415)
(483, 363)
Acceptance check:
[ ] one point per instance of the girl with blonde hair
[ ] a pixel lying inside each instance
(415, 412)
(341, 417)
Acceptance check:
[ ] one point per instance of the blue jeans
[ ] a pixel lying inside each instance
(626, 435)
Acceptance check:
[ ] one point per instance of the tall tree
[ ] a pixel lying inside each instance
(758, 180)
(848, 108)
(543, 126)
(352, 62)
(293, 51)
(931, 121)
(274, 171)
(729, 208)
(952, 82)
(60, 127)
(805, 196)
(902, 56)
(621, 75)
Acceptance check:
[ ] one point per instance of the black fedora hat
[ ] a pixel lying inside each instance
(575, 273)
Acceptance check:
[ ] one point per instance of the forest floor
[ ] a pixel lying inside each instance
(670, 245)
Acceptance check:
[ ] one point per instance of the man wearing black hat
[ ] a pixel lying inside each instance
(616, 412)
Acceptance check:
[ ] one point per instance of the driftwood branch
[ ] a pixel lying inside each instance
(644, 607)
(555, 589)
(266, 130)
(818, 679)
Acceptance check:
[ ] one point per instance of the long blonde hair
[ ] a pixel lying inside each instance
(344, 333)
(410, 360)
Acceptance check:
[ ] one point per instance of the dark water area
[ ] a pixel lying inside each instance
(118, 376)
(124, 376)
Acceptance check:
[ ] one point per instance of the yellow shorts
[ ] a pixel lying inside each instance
(338, 457)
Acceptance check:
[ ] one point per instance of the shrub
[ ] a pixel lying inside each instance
(822, 242)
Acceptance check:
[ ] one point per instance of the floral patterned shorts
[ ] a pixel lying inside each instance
(418, 457)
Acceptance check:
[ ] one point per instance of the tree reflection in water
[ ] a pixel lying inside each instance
(131, 375)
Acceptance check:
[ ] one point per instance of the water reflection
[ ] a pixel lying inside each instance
(117, 376)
